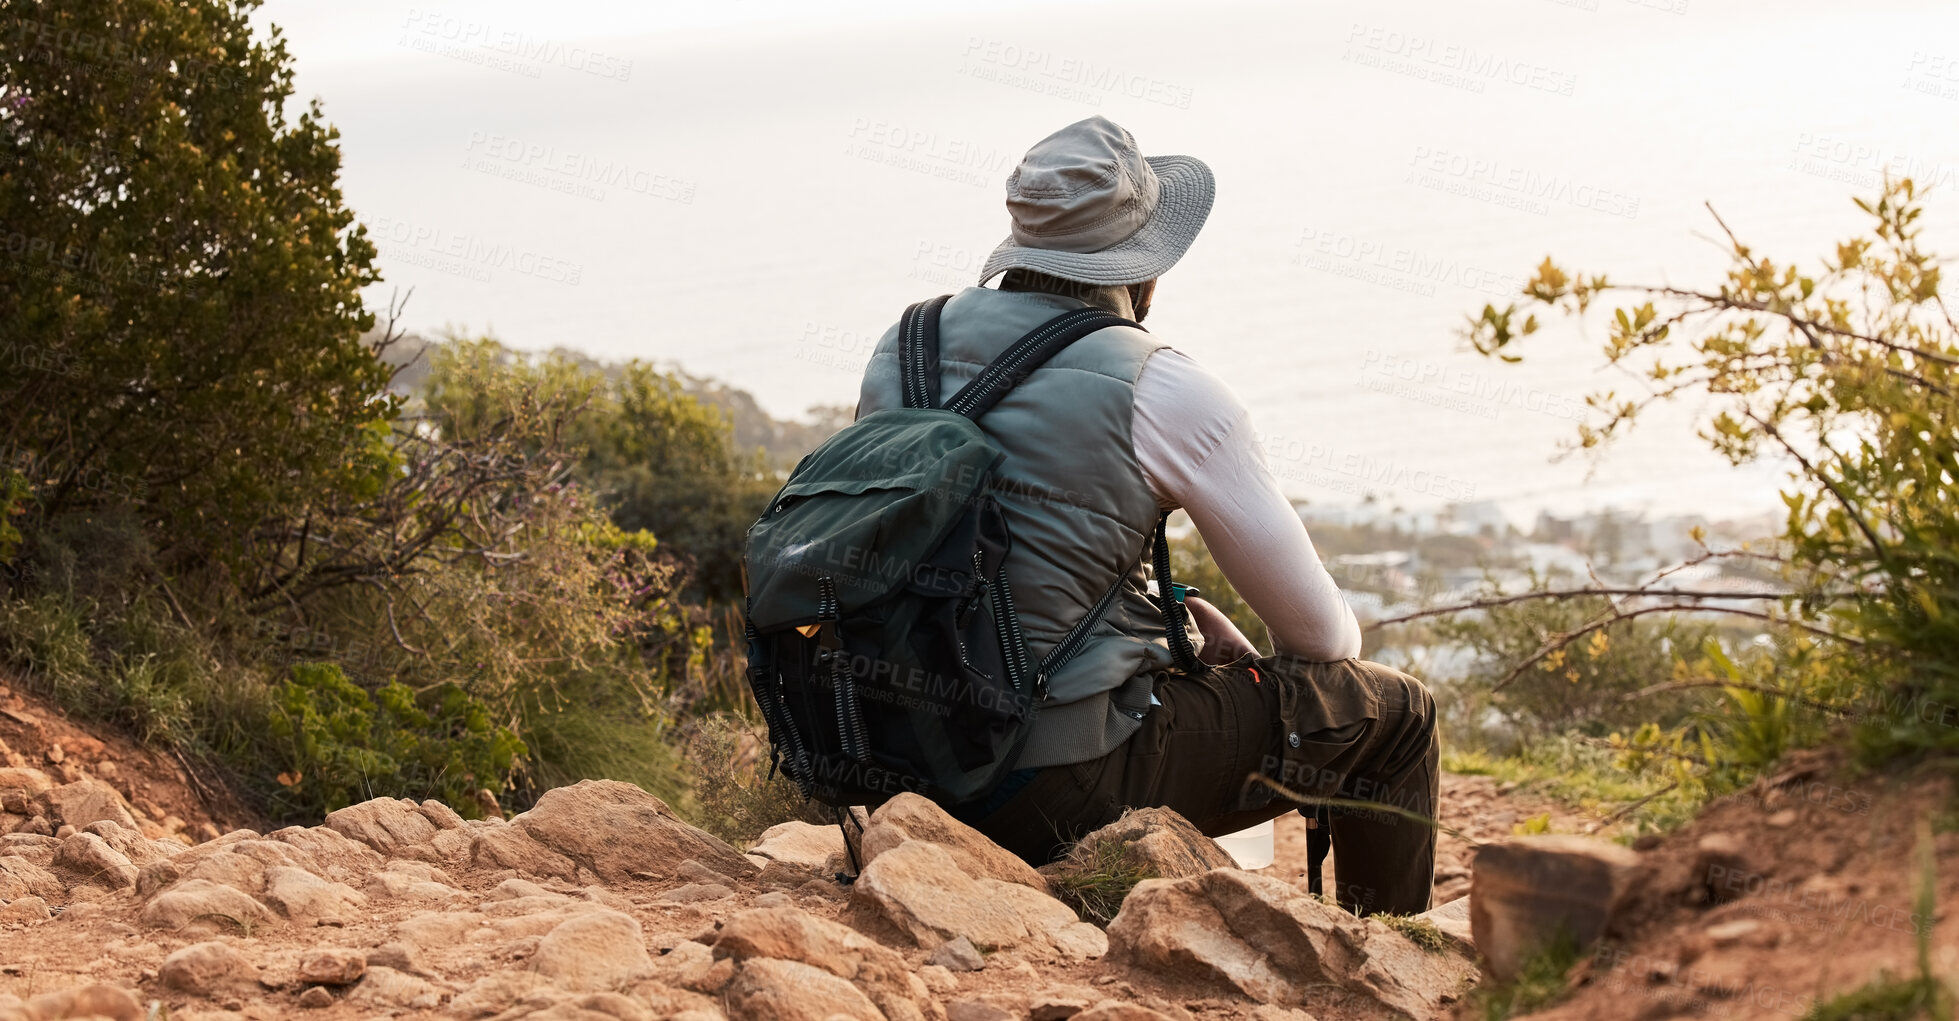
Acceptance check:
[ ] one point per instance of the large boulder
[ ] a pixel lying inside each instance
(1264, 938)
(384, 824)
(502, 845)
(1523, 893)
(786, 933)
(912, 817)
(83, 802)
(920, 888)
(621, 833)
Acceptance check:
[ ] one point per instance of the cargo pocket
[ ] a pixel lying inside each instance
(1326, 712)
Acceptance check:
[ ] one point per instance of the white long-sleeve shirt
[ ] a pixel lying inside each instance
(1195, 441)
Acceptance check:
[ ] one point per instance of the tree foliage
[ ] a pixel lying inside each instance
(1845, 371)
(181, 287)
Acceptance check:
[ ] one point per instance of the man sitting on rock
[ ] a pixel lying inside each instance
(1100, 440)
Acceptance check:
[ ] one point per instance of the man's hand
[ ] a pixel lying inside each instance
(1223, 642)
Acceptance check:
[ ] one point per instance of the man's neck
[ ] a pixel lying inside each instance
(1110, 298)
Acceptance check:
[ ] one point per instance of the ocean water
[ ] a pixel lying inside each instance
(754, 190)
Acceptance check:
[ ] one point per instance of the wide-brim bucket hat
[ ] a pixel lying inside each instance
(1088, 206)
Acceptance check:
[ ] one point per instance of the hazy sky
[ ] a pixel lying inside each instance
(754, 190)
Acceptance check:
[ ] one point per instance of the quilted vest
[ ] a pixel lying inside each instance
(1076, 501)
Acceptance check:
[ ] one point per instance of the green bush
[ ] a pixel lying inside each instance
(343, 744)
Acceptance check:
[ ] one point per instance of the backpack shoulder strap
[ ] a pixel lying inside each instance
(918, 353)
(1028, 353)
(918, 356)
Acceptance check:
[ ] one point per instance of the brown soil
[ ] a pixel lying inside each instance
(163, 795)
(1474, 809)
(1819, 900)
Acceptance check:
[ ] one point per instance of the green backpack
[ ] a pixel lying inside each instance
(883, 648)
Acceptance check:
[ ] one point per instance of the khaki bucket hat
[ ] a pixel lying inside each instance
(1088, 206)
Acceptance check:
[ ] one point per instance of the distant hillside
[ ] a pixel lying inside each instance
(783, 441)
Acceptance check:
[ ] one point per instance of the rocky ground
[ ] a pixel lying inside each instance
(163, 798)
(599, 903)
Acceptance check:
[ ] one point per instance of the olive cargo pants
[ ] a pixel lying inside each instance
(1348, 729)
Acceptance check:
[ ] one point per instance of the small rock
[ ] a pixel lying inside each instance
(1049, 1007)
(685, 965)
(99, 1000)
(939, 979)
(202, 901)
(1784, 819)
(81, 911)
(400, 957)
(83, 802)
(332, 966)
(716, 978)
(1452, 919)
(1113, 1010)
(1732, 932)
(316, 997)
(788, 934)
(88, 859)
(25, 909)
(596, 950)
(772, 899)
(387, 987)
(444, 817)
(799, 843)
(958, 954)
(695, 892)
(55, 754)
(976, 1010)
(1721, 866)
(764, 989)
(207, 969)
(510, 889)
(299, 894)
(694, 872)
(501, 991)
(31, 781)
(20, 876)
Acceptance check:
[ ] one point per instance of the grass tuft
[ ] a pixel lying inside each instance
(1098, 880)
(1417, 930)
(1543, 980)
